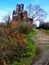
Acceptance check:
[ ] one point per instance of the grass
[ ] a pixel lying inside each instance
(31, 51)
(31, 46)
(46, 31)
(31, 34)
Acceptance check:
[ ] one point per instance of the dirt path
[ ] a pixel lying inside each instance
(41, 39)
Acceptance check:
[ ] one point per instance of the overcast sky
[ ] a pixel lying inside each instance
(7, 6)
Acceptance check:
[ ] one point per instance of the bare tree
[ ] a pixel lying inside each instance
(36, 12)
(7, 18)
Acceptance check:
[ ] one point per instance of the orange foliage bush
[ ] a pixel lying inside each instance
(18, 38)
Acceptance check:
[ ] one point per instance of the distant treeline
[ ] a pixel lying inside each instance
(44, 25)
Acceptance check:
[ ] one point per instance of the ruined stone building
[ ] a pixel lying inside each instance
(19, 14)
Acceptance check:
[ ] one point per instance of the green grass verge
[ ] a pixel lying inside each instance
(31, 48)
(31, 51)
(46, 31)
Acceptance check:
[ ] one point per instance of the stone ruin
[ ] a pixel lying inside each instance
(19, 14)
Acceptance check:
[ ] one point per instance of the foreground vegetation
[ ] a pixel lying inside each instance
(16, 46)
(31, 50)
(30, 53)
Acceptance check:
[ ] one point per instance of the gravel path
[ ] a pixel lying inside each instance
(42, 39)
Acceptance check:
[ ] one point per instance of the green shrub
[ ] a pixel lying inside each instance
(25, 28)
(15, 63)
